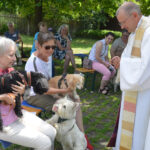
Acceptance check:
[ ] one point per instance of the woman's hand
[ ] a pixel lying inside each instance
(18, 89)
(65, 37)
(8, 99)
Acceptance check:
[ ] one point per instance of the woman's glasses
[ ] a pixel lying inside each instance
(48, 47)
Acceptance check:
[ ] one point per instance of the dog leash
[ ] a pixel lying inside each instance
(62, 79)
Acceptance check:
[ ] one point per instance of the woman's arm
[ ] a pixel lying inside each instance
(68, 47)
(60, 46)
(7, 99)
(58, 91)
(99, 47)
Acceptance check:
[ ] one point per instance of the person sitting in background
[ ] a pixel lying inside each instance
(29, 130)
(116, 50)
(40, 61)
(42, 28)
(15, 36)
(100, 61)
(63, 49)
(119, 44)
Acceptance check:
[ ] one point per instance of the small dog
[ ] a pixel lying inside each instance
(37, 80)
(115, 61)
(72, 81)
(117, 80)
(68, 133)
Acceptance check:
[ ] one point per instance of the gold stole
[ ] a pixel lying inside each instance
(130, 97)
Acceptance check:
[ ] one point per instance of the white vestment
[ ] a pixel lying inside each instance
(135, 76)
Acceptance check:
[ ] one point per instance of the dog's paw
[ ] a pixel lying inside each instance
(56, 126)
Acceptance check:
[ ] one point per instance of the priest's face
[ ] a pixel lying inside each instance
(127, 21)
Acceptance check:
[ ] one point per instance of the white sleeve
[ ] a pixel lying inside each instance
(29, 64)
(134, 72)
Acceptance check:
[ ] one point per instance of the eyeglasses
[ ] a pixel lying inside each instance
(123, 22)
(48, 47)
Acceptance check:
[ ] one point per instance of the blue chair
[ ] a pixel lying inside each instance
(25, 105)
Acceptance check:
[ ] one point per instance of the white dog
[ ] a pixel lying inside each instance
(73, 81)
(68, 133)
(117, 80)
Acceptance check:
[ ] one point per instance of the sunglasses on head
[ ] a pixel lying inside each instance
(50, 47)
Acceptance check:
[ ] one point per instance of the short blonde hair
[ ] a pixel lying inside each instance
(62, 27)
(10, 23)
(42, 23)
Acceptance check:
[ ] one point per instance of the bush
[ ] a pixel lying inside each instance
(96, 34)
(3, 29)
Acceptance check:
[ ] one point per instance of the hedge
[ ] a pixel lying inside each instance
(96, 34)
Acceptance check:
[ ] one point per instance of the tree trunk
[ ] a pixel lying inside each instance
(38, 13)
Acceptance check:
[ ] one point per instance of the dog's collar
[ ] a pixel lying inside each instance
(60, 120)
(29, 78)
(24, 80)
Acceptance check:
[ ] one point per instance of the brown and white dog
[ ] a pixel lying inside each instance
(68, 133)
(72, 81)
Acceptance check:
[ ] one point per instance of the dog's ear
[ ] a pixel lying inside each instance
(41, 86)
(55, 108)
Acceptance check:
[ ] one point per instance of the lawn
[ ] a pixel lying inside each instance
(99, 111)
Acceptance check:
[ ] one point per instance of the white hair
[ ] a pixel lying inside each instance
(5, 43)
(129, 7)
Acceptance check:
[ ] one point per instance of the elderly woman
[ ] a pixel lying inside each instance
(99, 57)
(30, 130)
(63, 49)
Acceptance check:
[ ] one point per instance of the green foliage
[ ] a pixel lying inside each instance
(3, 29)
(145, 7)
(96, 34)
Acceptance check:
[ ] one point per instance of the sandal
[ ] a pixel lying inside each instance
(103, 91)
(106, 88)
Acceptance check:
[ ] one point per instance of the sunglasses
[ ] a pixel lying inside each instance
(50, 47)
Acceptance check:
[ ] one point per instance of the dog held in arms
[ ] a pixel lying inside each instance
(37, 80)
(72, 81)
(68, 133)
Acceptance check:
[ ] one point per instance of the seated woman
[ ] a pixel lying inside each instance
(100, 61)
(16, 37)
(40, 61)
(30, 130)
(63, 49)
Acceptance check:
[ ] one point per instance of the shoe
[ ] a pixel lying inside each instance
(104, 90)
(89, 146)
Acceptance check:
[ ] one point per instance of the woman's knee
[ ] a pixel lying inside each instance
(52, 134)
(107, 75)
(67, 57)
(44, 144)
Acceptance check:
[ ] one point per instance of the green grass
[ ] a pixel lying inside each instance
(99, 111)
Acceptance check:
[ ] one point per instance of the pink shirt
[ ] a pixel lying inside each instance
(7, 111)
